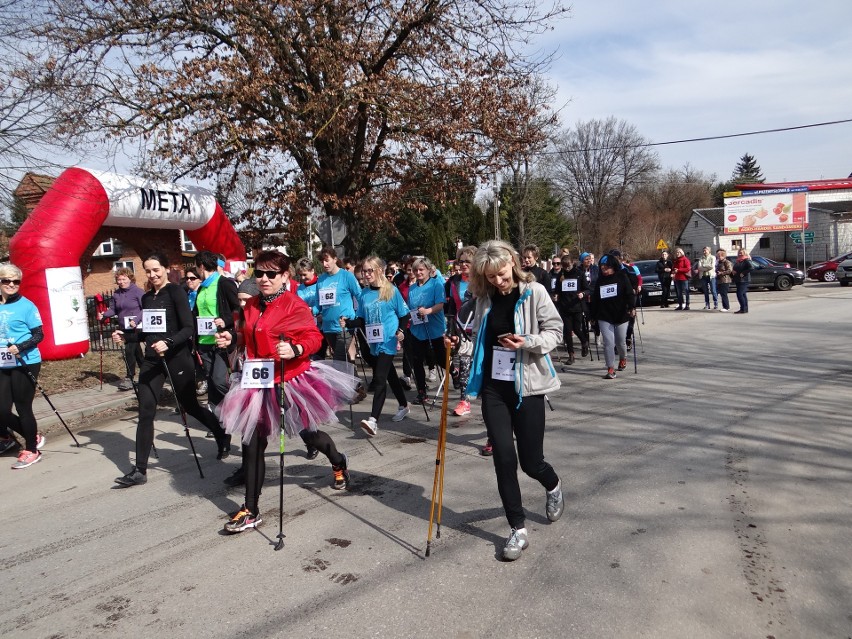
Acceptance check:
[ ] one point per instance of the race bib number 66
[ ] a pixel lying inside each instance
(258, 373)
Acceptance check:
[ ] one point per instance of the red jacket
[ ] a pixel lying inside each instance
(289, 316)
(682, 268)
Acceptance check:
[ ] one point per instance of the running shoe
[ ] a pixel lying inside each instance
(422, 398)
(236, 478)
(341, 474)
(554, 504)
(610, 373)
(406, 382)
(201, 388)
(488, 449)
(40, 440)
(462, 408)
(242, 520)
(622, 364)
(401, 414)
(370, 426)
(433, 374)
(26, 458)
(7, 444)
(515, 544)
(133, 478)
(585, 351)
(360, 393)
(312, 453)
(125, 384)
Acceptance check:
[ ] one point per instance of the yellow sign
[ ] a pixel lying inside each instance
(662, 246)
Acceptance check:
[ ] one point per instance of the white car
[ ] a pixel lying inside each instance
(844, 272)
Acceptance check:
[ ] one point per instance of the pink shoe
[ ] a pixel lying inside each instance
(26, 458)
(462, 408)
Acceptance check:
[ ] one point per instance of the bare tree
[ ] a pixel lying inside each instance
(342, 104)
(599, 167)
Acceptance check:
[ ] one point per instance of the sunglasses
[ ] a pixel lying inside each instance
(259, 273)
(15, 282)
(191, 279)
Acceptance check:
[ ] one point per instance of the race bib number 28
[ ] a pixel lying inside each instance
(609, 290)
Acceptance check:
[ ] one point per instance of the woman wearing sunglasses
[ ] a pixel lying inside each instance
(279, 334)
(20, 333)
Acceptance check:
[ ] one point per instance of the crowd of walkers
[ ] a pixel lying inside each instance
(277, 349)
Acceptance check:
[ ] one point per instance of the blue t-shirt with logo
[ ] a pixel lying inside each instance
(431, 293)
(336, 298)
(17, 319)
(381, 319)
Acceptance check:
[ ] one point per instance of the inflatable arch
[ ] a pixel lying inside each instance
(50, 244)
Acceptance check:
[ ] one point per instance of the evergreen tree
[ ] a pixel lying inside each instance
(747, 171)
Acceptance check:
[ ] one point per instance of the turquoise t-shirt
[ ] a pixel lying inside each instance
(336, 297)
(310, 295)
(17, 319)
(381, 319)
(432, 292)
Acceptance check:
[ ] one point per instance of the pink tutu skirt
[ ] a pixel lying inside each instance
(312, 398)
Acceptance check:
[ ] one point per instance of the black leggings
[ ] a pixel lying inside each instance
(384, 373)
(526, 423)
(133, 357)
(17, 388)
(423, 353)
(574, 324)
(337, 342)
(151, 378)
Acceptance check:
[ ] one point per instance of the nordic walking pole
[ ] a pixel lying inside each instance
(182, 413)
(438, 482)
(346, 358)
(285, 406)
(101, 344)
(641, 341)
(47, 399)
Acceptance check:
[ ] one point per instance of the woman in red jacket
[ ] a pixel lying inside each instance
(279, 334)
(681, 273)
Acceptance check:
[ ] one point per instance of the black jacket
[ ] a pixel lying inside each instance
(613, 298)
(570, 301)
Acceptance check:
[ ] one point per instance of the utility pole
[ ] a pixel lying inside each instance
(496, 208)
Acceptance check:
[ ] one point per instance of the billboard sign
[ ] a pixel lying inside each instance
(763, 211)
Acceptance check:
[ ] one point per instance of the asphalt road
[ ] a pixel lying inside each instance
(707, 496)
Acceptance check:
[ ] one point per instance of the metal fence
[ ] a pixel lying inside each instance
(100, 333)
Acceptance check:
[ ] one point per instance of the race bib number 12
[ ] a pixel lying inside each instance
(206, 326)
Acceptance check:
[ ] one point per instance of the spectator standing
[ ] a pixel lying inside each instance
(664, 270)
(682, 273)
(724, 272)
(707, 272)
(742, 278)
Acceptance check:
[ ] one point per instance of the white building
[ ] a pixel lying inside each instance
(829, 217)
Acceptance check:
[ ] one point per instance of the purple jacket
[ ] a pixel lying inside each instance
(126, 303)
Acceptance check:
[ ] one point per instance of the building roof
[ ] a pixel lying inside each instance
(715, 216)
(33, 186)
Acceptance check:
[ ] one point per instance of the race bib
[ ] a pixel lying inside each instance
(129, 322)
(609, 290)
(569, 286)
(552, 283)
(258, 373)
(375, 333)
(416, 320)
(7, 359)
(328, 296)
(503, 364)
(205, 325)
(154, 320)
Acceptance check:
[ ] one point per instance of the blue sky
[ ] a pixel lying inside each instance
(680, 70)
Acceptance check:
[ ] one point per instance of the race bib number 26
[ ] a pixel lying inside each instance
(7, 360)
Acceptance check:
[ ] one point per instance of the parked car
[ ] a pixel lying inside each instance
(765, 273)
(827, 271)
(652, 290)
(844, 272)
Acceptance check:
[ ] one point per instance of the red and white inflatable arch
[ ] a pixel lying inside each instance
(51, 242)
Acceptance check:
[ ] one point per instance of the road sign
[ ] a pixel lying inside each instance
(796, 236)
(662, 246)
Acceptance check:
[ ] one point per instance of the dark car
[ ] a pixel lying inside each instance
(765, 261)
(768, 275)
(826, 271)
(652, 290)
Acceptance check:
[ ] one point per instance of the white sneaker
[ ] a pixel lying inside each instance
(401, 414)
(40, 440)
(370, 426)
(723, 310)
(433, 376)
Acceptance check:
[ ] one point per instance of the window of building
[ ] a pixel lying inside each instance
(695, 223)
(108, 246)
(186, 244)
(125, 264)
(736, 244)
(764, 242)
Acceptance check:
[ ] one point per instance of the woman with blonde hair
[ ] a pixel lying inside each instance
(381, 315)
(426, 301)
(515, 326)
(20, 332)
